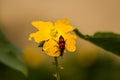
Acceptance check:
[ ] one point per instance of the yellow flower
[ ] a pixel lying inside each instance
(50, 33)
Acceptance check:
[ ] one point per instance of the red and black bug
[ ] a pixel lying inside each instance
(61, 45)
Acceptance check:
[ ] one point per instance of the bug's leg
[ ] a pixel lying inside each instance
(56, 41)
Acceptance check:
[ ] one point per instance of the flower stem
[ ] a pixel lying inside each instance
(57, 68)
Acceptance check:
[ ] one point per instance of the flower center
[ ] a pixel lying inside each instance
(53, 32)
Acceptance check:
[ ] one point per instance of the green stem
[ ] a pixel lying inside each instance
(57, 68)
(78, 33)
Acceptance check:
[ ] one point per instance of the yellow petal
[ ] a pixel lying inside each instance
(62, 21)
(70, 42)
(63, 26)
(51, 48)
(42, 26)
(39, 36)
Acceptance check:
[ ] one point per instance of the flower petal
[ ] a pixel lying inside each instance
(44, 31)
(70, 42)
(51, 48)
(62, 21)
(40, 25)
(63, 26)
(39, 36)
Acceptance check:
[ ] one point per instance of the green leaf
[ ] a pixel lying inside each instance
(9, 55)
(107, 40)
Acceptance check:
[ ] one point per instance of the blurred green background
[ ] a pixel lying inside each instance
(89, 62)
